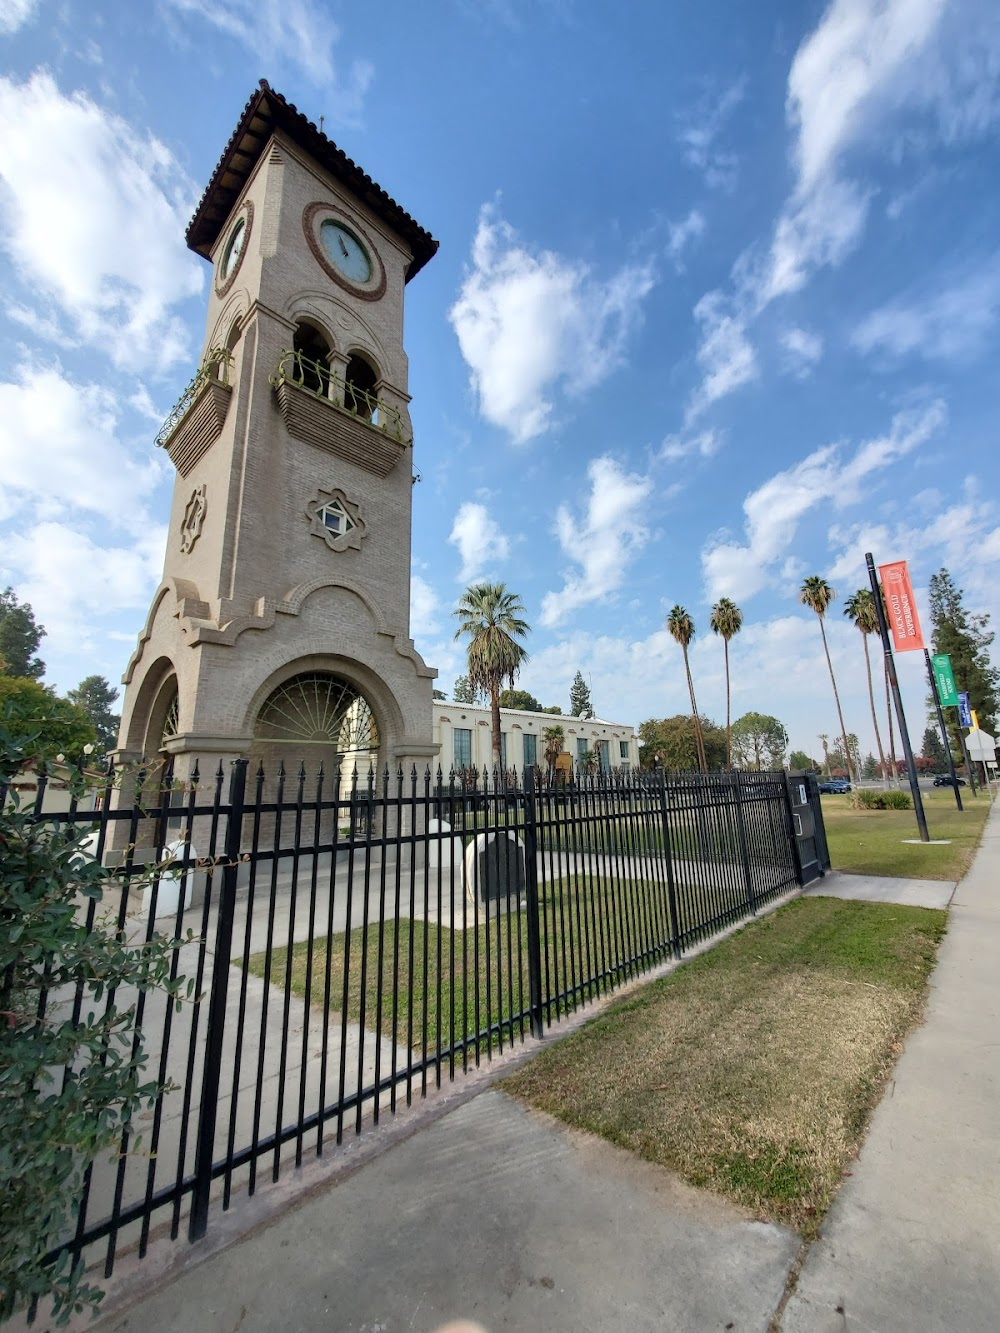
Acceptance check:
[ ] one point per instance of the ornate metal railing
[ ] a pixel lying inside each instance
(317, 378)
(215, 366)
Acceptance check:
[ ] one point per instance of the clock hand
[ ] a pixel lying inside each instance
(343, 247)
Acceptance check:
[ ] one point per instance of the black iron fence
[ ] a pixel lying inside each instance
(357, 941)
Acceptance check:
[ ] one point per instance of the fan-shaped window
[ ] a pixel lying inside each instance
(317, 716)
(312, 360)
(359, 390)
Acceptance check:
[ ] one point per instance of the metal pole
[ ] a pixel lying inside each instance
(531, 893)
(205, 1148)
(968, 762)
(944, 731)
(890, 666)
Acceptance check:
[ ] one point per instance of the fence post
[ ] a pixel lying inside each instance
(786, 790)
(675, 925)
(741, 830)
(212, 1072)
(531, 887)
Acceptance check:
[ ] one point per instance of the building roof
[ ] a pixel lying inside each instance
(266, 112)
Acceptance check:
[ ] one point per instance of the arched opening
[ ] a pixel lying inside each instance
(317, 718)
(226, 363)
(359, 389)
(312, 359)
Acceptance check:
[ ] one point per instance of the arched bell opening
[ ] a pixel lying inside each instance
(360, 379)
(312, 359)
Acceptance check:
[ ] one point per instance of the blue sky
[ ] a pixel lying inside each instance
(717, 306)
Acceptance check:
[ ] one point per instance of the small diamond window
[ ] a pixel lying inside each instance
(336, 518)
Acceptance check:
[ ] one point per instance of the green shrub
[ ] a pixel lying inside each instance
(866, 799)
(53, 1124)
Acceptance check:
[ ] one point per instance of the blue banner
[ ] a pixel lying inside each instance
(964, 711)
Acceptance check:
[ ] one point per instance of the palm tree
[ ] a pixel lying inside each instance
(824, 738)
(553, 737)
(860, 608)
(681, 628)
(817, 594)
(727, 620)
(491, 617)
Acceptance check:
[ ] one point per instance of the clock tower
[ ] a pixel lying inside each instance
(280, 630)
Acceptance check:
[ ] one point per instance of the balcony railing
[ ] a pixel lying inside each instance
(317, 378)
(215, 367)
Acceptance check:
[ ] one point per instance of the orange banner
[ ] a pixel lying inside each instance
(901, 607)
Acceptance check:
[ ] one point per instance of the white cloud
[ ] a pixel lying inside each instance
(111, 257)
(950, 324)
(425, 608)
(15, 13)
(856, 82)
(701, 127)
(725, 353)
(603, 542)
(802, 349)
(704, 444)
(682, 233)
(480, 541)
(298, 31)
(774, 510)
(116, 578)
(61, 454)
(527, 323)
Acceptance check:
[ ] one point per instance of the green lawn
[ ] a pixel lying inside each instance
(459, 982)
(870, 842)
(753, 1069)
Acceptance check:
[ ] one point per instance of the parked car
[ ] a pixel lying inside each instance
(944, 780)
(834, 786)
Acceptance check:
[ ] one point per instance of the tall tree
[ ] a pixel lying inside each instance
(860, 608)
(681, 628)
(462, 692)
(579, 698)
(491, 618)
(817, 594)
(966, 637)
(95, 695)
(19, 638)
(727, 621)
(800, 760)
(758, 741)
(673, 742)
(933, 749)
(521, 699)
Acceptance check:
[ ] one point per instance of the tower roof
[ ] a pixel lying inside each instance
(266, 112)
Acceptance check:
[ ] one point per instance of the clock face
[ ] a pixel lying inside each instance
(345, 252)
(234, 249)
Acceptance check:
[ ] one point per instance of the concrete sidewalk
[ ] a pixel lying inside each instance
(913, 1240)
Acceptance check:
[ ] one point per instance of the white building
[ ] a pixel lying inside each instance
(463, 733)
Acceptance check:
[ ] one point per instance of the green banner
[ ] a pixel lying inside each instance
(947, 692)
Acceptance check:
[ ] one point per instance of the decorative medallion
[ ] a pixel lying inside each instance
(194, 519)
(337, 519)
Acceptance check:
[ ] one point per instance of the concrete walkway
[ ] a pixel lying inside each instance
(913, 1240)
(884, 889)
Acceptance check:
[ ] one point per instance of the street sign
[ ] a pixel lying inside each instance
(945, 680)
(964, 711)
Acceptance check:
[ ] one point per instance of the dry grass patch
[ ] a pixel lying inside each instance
(753, 1069)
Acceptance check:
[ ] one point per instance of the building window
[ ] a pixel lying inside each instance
(463, 747)
(530, 750)
(335, 517)
(581, 748)
(623, 750)
(603, 755)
